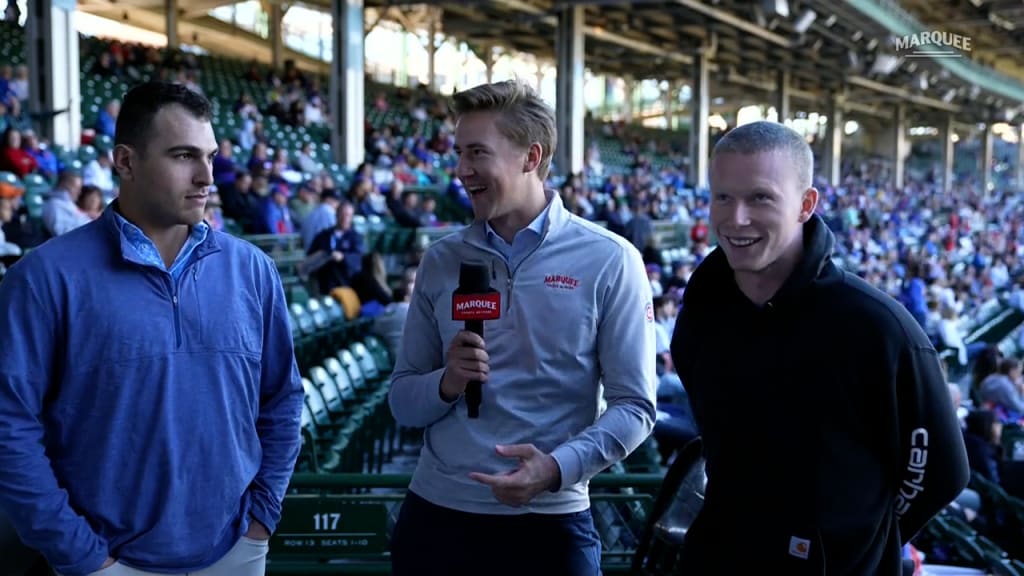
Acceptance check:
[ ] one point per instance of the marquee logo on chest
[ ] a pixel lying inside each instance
(561, 281)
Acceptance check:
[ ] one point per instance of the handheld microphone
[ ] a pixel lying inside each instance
(473, 302)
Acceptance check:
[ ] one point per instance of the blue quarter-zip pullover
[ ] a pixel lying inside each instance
(144, 416)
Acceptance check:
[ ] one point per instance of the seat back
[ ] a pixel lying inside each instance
(334, 312)
(305, 321)
(315, 403)
(328, 390)
(341, 379)
(318, 314)
(366, 362)
(355, 374)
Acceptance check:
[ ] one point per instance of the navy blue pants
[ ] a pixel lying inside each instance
(431, 540)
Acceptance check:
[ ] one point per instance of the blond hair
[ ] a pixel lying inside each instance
(523, 117)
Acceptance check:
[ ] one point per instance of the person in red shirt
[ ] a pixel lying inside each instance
(13, 158)
(699, 232)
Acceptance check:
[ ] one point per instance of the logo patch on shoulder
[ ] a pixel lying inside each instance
(650, 312)
(561, 282)
(799, 547)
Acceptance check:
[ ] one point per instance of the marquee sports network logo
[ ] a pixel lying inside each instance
(933, 44)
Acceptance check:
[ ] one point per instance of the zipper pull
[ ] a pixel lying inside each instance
(174, 299)
(508, 301)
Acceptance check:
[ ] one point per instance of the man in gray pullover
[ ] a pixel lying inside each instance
(507, 493)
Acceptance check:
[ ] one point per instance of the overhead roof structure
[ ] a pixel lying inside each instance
(825, 46)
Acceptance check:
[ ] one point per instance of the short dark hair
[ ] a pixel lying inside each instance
(142, 103)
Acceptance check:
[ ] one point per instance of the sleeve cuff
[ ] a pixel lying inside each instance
(444, 402)
(260, 514)
(569, 465)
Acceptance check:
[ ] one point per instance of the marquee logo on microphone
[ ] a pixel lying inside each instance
(485, 306)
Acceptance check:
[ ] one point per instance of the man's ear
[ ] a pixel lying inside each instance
(808, 204)
(533, 156)
(124, 161)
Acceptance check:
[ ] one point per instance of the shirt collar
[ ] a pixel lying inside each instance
(536, 226)
(196, 235)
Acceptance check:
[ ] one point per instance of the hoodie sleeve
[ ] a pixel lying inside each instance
(933, 460)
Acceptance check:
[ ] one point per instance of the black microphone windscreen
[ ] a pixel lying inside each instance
(474, 277)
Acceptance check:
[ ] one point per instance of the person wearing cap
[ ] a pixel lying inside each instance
(277, 219)
(60, 213)
(321, 218)
(9, 195)
(304, 201)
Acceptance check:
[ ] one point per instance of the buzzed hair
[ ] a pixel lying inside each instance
(524, 118)
(763, 136)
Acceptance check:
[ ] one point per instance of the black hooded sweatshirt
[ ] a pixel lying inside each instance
(828, 430)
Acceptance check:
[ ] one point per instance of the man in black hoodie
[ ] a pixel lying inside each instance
(827, 426)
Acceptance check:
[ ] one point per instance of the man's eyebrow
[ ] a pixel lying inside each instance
(472, 145)
(190, 148)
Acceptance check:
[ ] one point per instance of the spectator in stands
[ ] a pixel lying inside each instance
(9, 194)
(304, 160)
(241, 204)
(835, 396)
(360, 193)
(46, 161)
(403, 205)
(259, 162)
(277, 219)
(304, 202)
(639, 228)
(982, 436)
(13, 158)
(986, 364)
(571, 320)
(681, 272)
(61, 213)
(99, 172)
(340, 250)
(19, 83)
(1003, 390)
(106, 120)
(90, 202)
(324, 216)
(371, 284)
(427, 213)
(390, 324)
(134, 431)
(213, 216)
(224, 168)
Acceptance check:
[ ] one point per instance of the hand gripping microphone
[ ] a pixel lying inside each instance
(473, 302)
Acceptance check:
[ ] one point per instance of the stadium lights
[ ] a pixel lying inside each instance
(778, 8)
(803, 23)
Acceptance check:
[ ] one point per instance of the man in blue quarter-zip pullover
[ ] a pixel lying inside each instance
(507, 493)
(149, 398)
